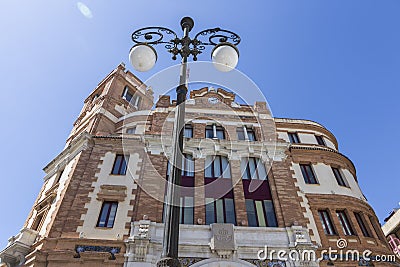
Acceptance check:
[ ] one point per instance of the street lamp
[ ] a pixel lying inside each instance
(143, 57)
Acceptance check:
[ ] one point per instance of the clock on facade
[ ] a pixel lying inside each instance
(213, 100)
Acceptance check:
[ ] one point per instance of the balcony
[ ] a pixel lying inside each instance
(18, 247)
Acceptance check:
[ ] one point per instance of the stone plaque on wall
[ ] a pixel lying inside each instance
(223, 237)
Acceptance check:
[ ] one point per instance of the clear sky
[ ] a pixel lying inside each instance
(334, 62)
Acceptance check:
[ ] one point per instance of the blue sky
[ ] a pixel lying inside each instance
(334, 62)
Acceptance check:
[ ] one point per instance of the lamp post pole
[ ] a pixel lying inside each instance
(169, 256)
(142, 57)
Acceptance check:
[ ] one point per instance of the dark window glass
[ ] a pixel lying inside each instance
(377, 228)
(131, 130)
(120, 165)
(308, 174)
(320, 140)
(209, 131)
(217, 166)
(339, 178)
(240, 133)
(187, 166)
(260, 213)
(253, 168)
(326, 222)
(107, 214)
(220, 211)
(59, 176)
(294, 138)
(188, 132)
(134, 100)
(250, 134)
(216, 132)
(186, 210)
(220, 132)
(345, 223)
(361, 223)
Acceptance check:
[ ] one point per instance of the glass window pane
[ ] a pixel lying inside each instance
(189, 165)
(219, 205)
(103, 215)
(208, 166)
(244, 168)
(209, 132)
(217, 166)
(250, 135)
(225, 167)
(113, 212)
(188, 132)
(210, 215)
(251, 213)
(252, 167)
(124, 163)
(262, 174)
(189, 211)
(220, 132)
(181, 209)
(117, 164)
(230, 211)
(311, 175)
(240, 133)
(260, 214)
(270, 213)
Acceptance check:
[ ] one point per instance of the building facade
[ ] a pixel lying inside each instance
(391, 229)
(258, 190)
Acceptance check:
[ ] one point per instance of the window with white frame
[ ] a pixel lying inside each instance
(245, 133)
(215, 132)
(133, 99)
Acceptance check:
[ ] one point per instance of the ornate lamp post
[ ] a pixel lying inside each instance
(143, 57)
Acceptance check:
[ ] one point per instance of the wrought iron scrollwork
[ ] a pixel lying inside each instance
(184, 46)
(82, 248)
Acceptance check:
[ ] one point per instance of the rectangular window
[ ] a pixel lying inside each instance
(320, 140)
(362, 225)
(186, 210)
(308, 174)
(326, 222)
(187, 166)
(188, 132)
(131, 130)
(294, 138)
(107, 214)
(215, 132)
(245, 133)
(377, 228)
(253, 168)
(59, 175)
(260, 213)
(120, 165)
(134, 100)
(339, 178)
(217, 166)
(344, 222)
(220, 211)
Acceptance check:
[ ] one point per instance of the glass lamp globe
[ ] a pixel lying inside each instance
(225, 57)
(142, 57)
